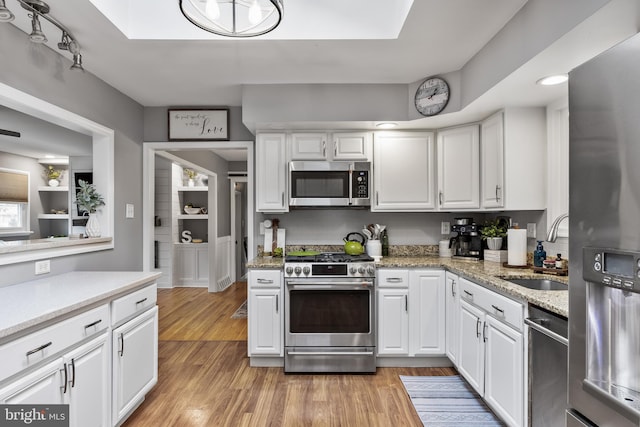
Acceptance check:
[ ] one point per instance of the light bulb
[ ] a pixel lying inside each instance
(212, 9)
(255, 13)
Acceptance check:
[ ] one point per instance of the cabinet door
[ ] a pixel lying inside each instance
(135, 361)
(186, 265)
(89, 384)
(265, 308)
(351, 145)
(309, 146)
(43, 386)
(202, 264)
(426, 313)
(492, 161)
(453, 314)
(271, 173)
(471, 346)
(393, 322)
(459, 168)
(504, 376)
(403, 172)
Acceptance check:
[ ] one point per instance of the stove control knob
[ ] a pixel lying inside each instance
(306, 270)
(353, 270)
(298, 270)
(289, 270)
(371, 271)
(361, 270)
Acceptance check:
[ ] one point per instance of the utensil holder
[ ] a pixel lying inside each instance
(374, 248)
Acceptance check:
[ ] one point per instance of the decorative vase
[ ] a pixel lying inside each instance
(191, 183)
(494, 243)
(93, 226)
(54, 183)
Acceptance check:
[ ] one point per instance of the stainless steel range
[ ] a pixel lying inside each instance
(330, 313)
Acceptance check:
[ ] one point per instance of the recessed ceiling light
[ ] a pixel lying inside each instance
(553, 80)
(386, 125)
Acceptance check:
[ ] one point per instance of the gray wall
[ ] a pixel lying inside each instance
(43, 73)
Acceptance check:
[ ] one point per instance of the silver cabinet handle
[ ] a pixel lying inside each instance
(42, 347)
(453, 288)
(335, 148)
(141, 301)
(394, 280)
(478, 328)
(277, 303)
(283, 198)
(497, 189)
(406, 303)
(440, 198)
(468, 293)
(92, 324)
(121, 345)
(498, 309)
(266, 281)
(66, 379)
(324, 148)
(73, 373)
(484, 332)
(377, 199)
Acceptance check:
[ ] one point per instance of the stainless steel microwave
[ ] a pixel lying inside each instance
(329, 184)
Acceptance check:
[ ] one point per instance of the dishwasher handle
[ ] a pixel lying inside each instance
(559, 338)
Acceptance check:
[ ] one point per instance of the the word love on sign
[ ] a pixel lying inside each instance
(187, 125)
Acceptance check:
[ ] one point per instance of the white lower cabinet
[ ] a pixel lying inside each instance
(80, 379)
(265, 312)
(411, 312)
(452, 308)
(135, 362)
(192, 264)
(491, 349)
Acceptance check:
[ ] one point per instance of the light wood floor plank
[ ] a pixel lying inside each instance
(205, 379)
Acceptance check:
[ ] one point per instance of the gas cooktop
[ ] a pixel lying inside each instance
(329, 257)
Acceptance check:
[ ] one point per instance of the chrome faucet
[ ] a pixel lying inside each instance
(553, 231)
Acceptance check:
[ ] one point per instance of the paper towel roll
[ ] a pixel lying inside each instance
(517, 245)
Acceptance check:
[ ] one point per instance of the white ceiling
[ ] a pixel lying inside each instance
(152, 54)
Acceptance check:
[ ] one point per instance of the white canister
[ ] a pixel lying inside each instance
(374, 248)
(443, 249)
(517, 247)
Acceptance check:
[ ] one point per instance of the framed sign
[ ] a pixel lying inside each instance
(189, 125)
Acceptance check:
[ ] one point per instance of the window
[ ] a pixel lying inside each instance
(13, 216)
(14, 201)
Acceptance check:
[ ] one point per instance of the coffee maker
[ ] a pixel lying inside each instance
(467, 244)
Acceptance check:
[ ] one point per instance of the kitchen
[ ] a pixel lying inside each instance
(409, 228)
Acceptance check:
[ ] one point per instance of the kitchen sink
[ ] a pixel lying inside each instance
(539, 284)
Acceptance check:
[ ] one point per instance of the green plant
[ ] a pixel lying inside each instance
(52, 173)
(87, 198)
(190, 173)
(493, 228)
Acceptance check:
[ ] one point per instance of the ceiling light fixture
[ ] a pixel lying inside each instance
(38, 9)
(555, 79)
(386, 125)
(233, 18)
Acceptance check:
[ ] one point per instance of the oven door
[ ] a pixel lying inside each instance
(330, 313)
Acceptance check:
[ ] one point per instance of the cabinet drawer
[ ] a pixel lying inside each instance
(393, 278)
(264, 278)
(499, 306)
(136, 302)
(33, 348)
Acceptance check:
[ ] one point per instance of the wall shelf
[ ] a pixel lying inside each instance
(198, 188)
(197, 216)
(53, 216)
(49, 188)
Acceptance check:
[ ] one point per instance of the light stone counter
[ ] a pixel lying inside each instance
(29, 304)
(488, 274)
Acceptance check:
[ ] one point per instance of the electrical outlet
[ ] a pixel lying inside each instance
(445, 227)
(531, 230)
(129, 211)
(43, 267)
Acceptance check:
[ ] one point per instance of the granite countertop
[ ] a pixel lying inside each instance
(29, 304)
(489, 274)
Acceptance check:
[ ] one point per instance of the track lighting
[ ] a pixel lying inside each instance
(39, 9)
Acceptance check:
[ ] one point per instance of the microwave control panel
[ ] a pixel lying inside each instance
(360, 184)
(612, 267)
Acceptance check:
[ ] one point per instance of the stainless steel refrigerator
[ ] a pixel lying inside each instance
(604, 239)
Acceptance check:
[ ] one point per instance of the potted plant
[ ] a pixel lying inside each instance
(493, 232)
(191, 176)
(89, 200)
(53, 175)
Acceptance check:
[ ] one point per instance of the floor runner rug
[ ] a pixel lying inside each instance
(448, 401)
(241, 312)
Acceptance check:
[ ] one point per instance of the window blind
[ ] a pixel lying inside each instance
(14, 187)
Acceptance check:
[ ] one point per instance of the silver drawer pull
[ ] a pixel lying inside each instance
(42, 347)
(92, 324)
(268, 281)
(394, 280)
(468, 293)
(141, 301)
(498, 309)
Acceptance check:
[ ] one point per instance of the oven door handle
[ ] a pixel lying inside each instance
(330, 353)
(329, 285)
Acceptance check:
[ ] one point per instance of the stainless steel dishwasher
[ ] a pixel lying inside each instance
(547, 368)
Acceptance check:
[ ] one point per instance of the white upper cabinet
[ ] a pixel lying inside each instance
(271, 173)
(514, 178)
(459, 168)
(403, 171)
(330, 146)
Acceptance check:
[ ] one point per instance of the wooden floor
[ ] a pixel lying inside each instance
(204, 377)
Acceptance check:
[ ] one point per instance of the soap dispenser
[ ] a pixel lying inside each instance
(539, 255)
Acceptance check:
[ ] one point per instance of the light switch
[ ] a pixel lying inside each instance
(531, 230)
(129, 211)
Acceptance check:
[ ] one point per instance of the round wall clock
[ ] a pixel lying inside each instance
(432, 96)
